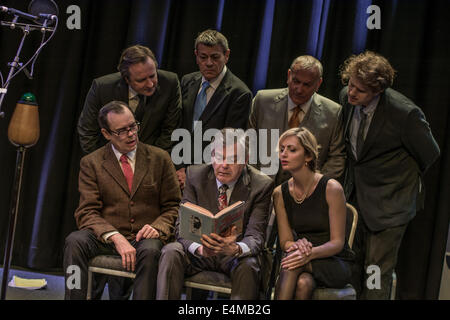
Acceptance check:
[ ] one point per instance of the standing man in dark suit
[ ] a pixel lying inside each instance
(300, 105)
(389, 148)
(213, 95)
(213, 187)
(129, 198)
(153, 94)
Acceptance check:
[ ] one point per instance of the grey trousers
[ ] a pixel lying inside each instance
(81, 246)
(375, 250)
(175, 264)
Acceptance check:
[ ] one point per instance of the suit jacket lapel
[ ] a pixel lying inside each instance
(210, 187)
(241, 189)
(217, 98)
(280, 103)
(375, 125)
(150, 105)
(193, 87)
(141, 167)
(112, 166)
(313, 113)
(122, 91)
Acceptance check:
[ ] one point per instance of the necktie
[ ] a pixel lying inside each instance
(140, 109)
(200, 102)
(222, 199)
(134, 102)
(361, 129)
(127, 171)
(295, 120)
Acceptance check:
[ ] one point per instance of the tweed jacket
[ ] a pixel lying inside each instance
(106, 204)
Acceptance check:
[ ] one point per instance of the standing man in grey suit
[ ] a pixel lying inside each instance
(213, 95)
(153, 94)
(300, 105)
(389, 148)
(238, 257)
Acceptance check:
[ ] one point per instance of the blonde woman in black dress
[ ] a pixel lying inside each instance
(311, 212)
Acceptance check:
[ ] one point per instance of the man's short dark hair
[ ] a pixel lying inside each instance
(117, 107)
(211, 38)
(133, 55)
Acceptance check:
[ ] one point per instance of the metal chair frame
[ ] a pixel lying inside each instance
(108, 271)
(191, 282)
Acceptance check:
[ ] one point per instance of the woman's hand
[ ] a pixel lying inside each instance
(304, 246)
(298, 254)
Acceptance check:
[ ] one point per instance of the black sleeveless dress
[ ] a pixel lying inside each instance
(310, 220)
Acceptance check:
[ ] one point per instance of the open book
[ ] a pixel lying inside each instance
(195, 220)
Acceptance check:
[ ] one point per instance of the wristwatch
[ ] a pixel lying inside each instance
(239, 251)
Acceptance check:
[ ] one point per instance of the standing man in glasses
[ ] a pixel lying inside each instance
(129, 196)
(153, 94)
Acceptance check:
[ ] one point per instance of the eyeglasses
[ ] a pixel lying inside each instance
(122, 133)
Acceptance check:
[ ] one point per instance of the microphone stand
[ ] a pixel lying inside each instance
(15, 64)
(23, 132)
(19, 127)
(14, 207)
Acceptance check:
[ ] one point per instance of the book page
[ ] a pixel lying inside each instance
(229, 208)
(198, 209)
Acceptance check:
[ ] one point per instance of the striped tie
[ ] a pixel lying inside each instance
(222, 199)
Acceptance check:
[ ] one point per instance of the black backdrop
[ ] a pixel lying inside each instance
(264, 36)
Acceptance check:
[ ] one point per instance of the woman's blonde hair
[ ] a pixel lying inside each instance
(307, 140)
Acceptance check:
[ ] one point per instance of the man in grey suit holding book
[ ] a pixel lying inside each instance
(227, 180)
(300, 105)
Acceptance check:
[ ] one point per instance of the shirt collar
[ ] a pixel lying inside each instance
(131, 93)
(131, 155)
(305, 107)
(230, 185)
(214, 83)
(370, 108)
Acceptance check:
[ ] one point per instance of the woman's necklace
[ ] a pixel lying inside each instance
(300, 201)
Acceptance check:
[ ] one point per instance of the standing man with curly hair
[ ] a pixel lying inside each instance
(389, 147)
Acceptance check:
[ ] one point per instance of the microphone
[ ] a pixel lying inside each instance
(47, 16)
(46, 11)
(18, 13)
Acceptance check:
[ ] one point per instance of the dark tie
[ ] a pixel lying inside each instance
(127, 170)
(200, 102)
(294, 121)
(362, 126)
(222, 199)
(140, 109)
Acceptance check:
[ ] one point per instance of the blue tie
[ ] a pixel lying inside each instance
(200, 102)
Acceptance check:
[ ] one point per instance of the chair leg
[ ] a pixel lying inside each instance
(188, 293)
(89, 285)
(393, 285)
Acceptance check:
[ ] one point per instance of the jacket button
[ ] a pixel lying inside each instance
(132, 220)
(131, 203)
